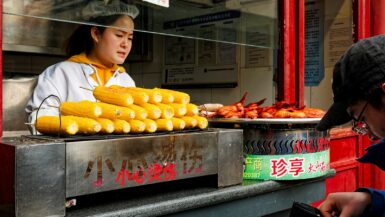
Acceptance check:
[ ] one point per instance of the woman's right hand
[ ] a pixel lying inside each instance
(345, 204)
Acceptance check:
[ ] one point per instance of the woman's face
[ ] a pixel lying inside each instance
(114, 44)
(373, 117)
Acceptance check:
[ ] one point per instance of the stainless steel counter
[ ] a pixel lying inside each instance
(197, 198)
(41, 172)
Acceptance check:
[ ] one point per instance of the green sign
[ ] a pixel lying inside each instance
(286, 167)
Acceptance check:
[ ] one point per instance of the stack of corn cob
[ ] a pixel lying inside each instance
(123, 110)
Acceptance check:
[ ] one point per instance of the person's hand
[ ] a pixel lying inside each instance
(345, 204)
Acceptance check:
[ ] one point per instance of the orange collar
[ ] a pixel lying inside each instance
(82, 58)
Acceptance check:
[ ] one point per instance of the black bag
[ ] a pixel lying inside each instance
(304, 210)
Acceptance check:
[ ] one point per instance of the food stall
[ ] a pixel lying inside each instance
(209, 49)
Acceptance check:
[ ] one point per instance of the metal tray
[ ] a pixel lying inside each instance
(266, 120)
(110, 136)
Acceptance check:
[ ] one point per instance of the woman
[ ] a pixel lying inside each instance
(359, 95)
(95, 52)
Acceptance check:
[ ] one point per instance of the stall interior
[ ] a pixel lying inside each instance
(212, 50)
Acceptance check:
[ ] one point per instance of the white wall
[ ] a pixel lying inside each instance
(337, 38)
(257, 81)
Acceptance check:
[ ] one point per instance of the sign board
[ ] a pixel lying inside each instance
(286, 167)
(207, 62)
(204, 75)
(314, 67)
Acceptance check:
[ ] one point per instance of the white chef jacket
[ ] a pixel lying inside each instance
(65, 80)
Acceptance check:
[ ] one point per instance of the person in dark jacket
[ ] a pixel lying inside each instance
(359, 96)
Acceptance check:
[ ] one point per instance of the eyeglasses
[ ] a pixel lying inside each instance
(360, 126)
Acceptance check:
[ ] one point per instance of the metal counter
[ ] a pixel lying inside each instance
(200, 197)
(42, 173)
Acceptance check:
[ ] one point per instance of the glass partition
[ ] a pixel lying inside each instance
(37, 24)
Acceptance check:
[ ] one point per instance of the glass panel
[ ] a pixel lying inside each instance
(242, 22)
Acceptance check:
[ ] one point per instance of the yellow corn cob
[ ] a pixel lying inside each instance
(138, 96)
(179, 109)
(190, 122)
(121, 126)
(192, 109)
(150, 126)
(179, 97)
(167, 110)
(83, 109)
(202, 121)
(51, 125)
(110, 111)
(153, 111)
(86, 125)
(115, 86)
(137, 126)
(140, 113)
(178, 124)
(164, 124)
(167, 98)
(112, 96)
(107, 125)
(154, 96)
(127, 113)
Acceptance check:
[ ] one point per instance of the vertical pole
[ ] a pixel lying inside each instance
(1, 68)
(362, 20)
(291, 53)
(286, 76)
(300, 54)
(378, 17)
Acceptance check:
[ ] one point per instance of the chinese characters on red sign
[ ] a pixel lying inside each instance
(280, 167)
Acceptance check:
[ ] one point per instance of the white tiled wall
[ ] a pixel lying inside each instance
(200, 96)
(226, 95)
(155, 65)
(320, 96)
(259, 84)
(256, 81)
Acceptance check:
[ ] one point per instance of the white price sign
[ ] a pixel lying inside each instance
(192, 75)
(163, 3)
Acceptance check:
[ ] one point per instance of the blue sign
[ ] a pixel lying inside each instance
(314, 59)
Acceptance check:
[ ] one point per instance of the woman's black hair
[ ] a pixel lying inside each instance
(81, 40)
